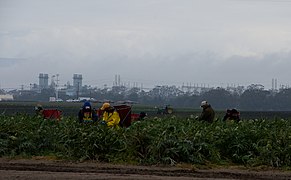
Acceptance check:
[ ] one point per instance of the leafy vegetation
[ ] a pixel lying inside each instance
(168, 140)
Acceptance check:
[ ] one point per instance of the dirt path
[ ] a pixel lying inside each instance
(45, 169)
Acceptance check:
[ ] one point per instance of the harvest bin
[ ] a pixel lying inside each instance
(134, 117)
(52, 114)
(124, 112)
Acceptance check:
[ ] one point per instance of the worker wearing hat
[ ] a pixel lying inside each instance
(110, 115)
(87, 114)
(207, 114)
(38, 110)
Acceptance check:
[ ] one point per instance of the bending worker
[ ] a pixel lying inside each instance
(207, 112)
(232, 114)
(87, 114)
(110, 115)
(38, 110)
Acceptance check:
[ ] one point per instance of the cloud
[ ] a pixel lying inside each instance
(154, 41)
(8, 62)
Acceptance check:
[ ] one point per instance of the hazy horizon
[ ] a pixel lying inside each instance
(153, 42)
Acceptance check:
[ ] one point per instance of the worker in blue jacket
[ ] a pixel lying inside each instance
(87, 114)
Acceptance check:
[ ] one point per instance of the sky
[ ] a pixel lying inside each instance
(148, 42)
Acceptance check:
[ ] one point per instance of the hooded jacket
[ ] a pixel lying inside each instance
(207, 114)
(87, 114)
(111, 117)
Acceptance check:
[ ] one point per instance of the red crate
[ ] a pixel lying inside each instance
(134, 117)
(124, 112)
(52, 114)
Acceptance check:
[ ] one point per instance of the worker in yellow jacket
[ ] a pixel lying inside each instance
(110, 115)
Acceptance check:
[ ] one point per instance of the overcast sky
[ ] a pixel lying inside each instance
(165, 42)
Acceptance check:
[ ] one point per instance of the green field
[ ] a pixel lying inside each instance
(165, 140)
(71, 110)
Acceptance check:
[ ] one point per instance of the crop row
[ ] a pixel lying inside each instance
(168, 140)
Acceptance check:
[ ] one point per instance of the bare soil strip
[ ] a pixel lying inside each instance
(47, 169)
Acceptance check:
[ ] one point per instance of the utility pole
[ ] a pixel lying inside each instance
(78, 90)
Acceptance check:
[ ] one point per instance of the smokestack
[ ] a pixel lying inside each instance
(118, 80)
(115, 80)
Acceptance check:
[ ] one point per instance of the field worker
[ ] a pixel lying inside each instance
(110, 115)
(87, 114)
(207, 114)
(142, 116)
(38, 110)
(232, 114)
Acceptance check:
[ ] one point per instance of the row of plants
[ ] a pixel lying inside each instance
(168, 140)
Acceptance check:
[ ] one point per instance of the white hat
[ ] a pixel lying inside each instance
(204, 103)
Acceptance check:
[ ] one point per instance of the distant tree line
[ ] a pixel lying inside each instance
(254, 98)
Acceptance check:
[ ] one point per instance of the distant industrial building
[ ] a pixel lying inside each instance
(74, 90)
(77, 81)
(43, 81)
(6, 97)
